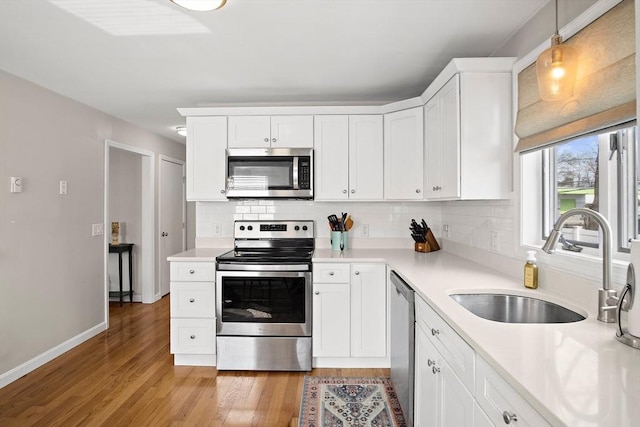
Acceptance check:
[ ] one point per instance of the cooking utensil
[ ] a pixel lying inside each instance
(348, 223)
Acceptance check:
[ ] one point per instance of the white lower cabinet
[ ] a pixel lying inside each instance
(456, 387)
(193, 316)
(349, 315)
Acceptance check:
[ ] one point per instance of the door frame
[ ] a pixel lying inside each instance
(147, 248)
(182, 163)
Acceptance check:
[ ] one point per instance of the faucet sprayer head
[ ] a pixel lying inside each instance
(550, 245)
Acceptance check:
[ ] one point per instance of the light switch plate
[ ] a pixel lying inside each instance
(97, 229)
(63, 187)
(16, 184)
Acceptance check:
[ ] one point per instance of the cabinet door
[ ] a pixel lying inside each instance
(331, 308)
(368, 310)
(249, 131)
(426, 386)
(403, 154)
(456, 402)
(365, 157)
(292, 131)
(433, 145)
(331, 139)
(206, 142)
(450, 143)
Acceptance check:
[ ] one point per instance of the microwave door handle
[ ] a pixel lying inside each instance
(296, 186)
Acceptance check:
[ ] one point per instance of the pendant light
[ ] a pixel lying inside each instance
(200, 5)
(556, 68)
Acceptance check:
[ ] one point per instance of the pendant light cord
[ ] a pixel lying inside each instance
(557, 31)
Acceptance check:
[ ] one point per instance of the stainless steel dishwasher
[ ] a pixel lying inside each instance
(402, 319)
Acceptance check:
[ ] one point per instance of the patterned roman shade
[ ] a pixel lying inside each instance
(605, 92)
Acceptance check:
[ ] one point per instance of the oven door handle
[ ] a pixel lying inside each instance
(220, 274)
(278, 269)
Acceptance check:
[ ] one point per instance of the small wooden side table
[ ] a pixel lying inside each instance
(120, 249)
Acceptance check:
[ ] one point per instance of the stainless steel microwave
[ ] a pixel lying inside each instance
(269, 173)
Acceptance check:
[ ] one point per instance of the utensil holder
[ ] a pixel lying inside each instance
(422, 247)
(339, 240)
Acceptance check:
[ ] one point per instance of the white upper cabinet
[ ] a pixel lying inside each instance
(403, 154)
(468, 138)
(349, 157)
(206, 143)
(270, 131)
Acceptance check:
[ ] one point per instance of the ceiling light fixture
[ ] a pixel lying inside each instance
(200, 5)
(182, 130)
(556, 68)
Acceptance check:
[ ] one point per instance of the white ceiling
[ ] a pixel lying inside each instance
(140, 59)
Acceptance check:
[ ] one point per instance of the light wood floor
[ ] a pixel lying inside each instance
(125, 376)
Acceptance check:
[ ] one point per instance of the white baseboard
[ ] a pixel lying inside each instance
(31, 365)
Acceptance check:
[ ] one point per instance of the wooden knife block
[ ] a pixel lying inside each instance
(431, 244)
(422, 247)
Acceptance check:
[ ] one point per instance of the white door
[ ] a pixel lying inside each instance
(365, 157)
(172, 218)
(404, 154)
(368, 310)
(249, 131)
(291, 131)
(331, 155)
(206, 144)
(331, 331)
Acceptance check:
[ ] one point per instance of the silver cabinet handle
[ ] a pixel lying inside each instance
(222, 191)
(344, 191)
(353, 191)
(508, 418)
(266, 140)
(317, 292)
(192, 300)
(435, 370)
(331, 273)
(193, 337)
(435, 332)
(357, 273)
(273, 140)
(191, 271)
(417, 190)
(431, 362)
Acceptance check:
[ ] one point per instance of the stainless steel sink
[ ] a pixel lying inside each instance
(515, 308)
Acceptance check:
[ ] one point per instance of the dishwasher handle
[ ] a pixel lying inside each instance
(402, 287)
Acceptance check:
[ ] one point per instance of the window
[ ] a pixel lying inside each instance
(597, 171)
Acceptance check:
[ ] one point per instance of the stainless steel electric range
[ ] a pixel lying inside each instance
(263, 297)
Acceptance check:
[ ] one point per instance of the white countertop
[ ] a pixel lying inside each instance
(574, 374)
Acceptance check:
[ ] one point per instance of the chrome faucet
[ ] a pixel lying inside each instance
(607, 297)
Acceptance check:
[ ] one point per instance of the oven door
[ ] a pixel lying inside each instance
(263, 303)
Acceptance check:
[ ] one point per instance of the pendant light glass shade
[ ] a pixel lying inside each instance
(200, 5)
(556, 68)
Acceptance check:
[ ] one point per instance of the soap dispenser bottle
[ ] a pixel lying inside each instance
(531, 271)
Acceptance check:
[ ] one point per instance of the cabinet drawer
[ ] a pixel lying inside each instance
(499, 399)
(454, 349)
(332, 273)
(193, 336)
(193, 299)
(193, 272)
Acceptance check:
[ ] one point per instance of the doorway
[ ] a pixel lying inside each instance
(140, 222)
(172, 216)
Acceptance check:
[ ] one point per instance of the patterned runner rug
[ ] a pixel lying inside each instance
(349, 402)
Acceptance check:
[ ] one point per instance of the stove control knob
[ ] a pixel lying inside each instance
(250, 227)
(242, 228)
(297, 228)
(304, 227)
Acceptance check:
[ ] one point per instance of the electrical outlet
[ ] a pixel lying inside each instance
(97, 229)
(364, 230)
(63, 187)
(445, 230)
(216, 229)
(494, 244)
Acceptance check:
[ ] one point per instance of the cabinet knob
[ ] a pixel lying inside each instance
(266, 140)
(418, 190)
(273, 140)
(331, 273)
(357, 273)
(192, 300)
(317, 292)
(435, 370)
(193, 337)
(435, 332)
(222, 191)
(191, 271)
(353, 191)
(344, 191)
(431, 362)
(507, 417)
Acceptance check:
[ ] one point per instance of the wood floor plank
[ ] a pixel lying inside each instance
(125, 377)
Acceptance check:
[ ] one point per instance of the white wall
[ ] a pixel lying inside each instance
(51, 269)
